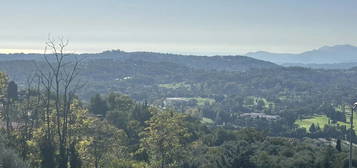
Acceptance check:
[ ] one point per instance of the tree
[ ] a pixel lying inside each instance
(47, 153)
(120, 106)
(328, 158)
(98, 105)
(338, 145)
(264, 160)
(107, 142)
(5, 111)
(60, 80)
(260, 104)
(3, 84)
(312, 128)
(163, 139)
(141, 113)
(8, 157)
(75, 160)
(12, 91)
(10, 108)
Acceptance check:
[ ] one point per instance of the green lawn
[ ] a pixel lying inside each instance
(322, 120)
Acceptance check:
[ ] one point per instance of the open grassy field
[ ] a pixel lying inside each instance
(323, 120)
(320, 120)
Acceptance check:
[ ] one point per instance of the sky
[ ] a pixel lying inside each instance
(203, 27)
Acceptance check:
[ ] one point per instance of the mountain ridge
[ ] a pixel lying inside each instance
(344, 53)
(225, 63)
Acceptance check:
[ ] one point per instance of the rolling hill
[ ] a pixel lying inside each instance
(323, 55)
(225, 63)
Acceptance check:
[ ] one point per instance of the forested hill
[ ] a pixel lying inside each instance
(207, 114)
(154, 80)
(226, 63)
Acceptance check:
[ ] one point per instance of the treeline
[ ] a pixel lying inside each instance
(119, 132)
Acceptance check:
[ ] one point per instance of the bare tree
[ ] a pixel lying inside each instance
(61, 81)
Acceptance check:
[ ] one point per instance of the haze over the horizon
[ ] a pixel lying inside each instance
(205, 27)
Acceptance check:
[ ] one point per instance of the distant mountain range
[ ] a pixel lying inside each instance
(324, 55)
(221, 63)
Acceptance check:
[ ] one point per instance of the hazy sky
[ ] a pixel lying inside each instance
(178, 26)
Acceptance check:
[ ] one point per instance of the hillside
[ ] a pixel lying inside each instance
(323, 55)
(323, 66)
(225, 63)
(281, 102)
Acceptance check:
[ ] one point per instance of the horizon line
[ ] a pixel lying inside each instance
(187, 53)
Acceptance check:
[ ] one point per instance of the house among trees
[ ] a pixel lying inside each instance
(260, 115)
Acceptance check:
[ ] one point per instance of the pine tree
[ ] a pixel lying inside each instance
(312, 128)
(338, 145)
(98, 105)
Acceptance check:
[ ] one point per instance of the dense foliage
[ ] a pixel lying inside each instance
(153, 137)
